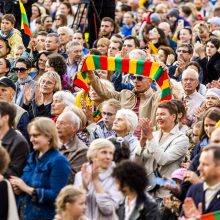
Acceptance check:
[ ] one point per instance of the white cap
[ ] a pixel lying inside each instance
(214, 20)
(214, 92)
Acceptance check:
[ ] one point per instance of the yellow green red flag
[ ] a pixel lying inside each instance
(24, 20)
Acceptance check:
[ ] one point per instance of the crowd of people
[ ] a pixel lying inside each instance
(116, 152)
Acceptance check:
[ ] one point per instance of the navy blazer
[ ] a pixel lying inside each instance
(197, 193)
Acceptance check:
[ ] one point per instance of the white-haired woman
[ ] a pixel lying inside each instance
(96, 178)
(61, 99)
(124, 125)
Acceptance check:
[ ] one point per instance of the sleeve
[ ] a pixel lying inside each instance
(101, 88)
(108, 201)
(18, 157)
(22, 125)
(4, 200)
(177, 149)
(60, 172)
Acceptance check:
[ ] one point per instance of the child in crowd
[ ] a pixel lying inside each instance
(9, 33)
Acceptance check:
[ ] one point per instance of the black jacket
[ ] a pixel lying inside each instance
(145, 209)
(211, 68)
(18, 150)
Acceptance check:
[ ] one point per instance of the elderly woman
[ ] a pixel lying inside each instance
(61, 99)
(45, 174)
(124, 125)
(164, 149)
(49, 83)
(96, 178)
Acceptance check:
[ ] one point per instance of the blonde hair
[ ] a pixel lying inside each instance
(104, 41)
(97, 145)
(47, 127)
(55, 76)
(113, 103)
(68, 194)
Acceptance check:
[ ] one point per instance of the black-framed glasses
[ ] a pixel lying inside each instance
(183, 51)
(135, 77)
(109, 114)
(21, 70)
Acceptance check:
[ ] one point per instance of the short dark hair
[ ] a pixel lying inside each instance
(170, 106)
(189, 46)
(180, 107)
(9, 17)
(109, 20)
(42, 33)
(24, 60)
(215, 41)
(136, 41)
(216, 152)
(6, 44)
(194, 63)
(10, 110)
(131, 174)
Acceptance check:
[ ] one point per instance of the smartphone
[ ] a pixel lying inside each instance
(162, 182)
(181, 22)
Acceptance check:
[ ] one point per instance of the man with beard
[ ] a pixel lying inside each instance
(184, 54)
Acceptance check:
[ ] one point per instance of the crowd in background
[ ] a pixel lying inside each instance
(116, 151)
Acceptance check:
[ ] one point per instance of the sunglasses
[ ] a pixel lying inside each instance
(138, 78)
(21, 70)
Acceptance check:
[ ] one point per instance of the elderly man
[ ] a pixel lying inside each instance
(142, 100)
(65, 36)
(193, 99)
(68, 123)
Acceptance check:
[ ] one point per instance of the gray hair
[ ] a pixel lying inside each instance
(138, 54)
(66, 29)
(67, 97)
(73, 118)
(195, 73)
(131, 118)
(72, 44)
(97, 145)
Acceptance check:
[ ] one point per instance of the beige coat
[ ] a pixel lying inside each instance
(128, 99)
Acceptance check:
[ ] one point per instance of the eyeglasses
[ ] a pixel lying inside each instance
(138, 78)
(46, 82)
(182, 51)
(35, 135)
(21, 70)
(109, 114)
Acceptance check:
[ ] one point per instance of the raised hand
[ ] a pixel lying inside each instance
(86, 176)
(38, 96)
(190, 209)
(27, 94)
(95, 170)
(146, 128)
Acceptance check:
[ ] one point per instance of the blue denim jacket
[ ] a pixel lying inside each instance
(48, 175)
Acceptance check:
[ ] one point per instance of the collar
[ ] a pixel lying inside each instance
(7, 139)
(149, 92)
(191, 95)
(216, 187)
(175, 130)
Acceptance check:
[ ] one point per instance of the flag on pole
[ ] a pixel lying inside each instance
(24, 20)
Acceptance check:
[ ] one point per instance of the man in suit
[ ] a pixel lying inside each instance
(205, 195)
(68, 124)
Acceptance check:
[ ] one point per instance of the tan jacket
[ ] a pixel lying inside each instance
(76, 155)
(128, 99)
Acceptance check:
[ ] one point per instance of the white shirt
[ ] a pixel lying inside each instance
(129, 207)
(210, 193)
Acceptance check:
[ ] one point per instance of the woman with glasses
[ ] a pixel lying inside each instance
(42, 58)
(45, 174)
(40, 105)
(102, 196)
(22, 69)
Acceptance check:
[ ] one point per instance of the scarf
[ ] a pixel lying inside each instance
(6, 36)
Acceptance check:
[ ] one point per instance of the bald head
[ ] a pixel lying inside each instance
(165, 27)
(215, 136)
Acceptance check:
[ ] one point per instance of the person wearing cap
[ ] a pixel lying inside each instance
(7, 92)
(155, 19)
(212, 98)
(214, 23)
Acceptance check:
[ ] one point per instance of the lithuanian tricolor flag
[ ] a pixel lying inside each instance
(24, 20)
(211, 216)
(140, 67)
